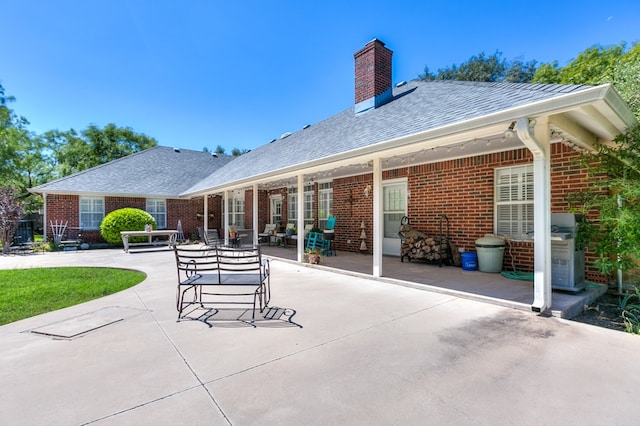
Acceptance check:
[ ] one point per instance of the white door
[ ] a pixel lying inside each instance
(276, 209)
(394, 208)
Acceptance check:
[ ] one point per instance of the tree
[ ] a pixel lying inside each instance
(615, 195)
(219, 150)
(519, 71)
(75, 152)
(599, 65)
(10, 211)
(592, 66)
(485, 68)
(547, 73)
(24, 159)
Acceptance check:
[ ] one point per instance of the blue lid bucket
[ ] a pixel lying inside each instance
(469, 260)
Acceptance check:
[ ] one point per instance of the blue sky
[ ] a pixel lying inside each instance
(196, 74)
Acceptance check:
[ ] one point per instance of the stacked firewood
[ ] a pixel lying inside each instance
(430, 249)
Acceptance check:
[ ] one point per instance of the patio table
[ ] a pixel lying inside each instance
(171, 235)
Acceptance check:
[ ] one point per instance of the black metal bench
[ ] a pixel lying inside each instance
(217, 275)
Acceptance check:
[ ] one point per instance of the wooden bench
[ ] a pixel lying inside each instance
(218, 275)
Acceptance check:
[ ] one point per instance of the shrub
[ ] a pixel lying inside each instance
(126, 219)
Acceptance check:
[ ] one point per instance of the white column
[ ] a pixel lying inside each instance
(205, 210)
(45, 225)
(255, 215)
(225, 213)
(300, 219)
(378, 232)
(537, 141)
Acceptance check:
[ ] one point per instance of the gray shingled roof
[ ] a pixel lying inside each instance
(158, 171)
(416, 107)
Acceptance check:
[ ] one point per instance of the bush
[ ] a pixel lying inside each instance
(127, 219)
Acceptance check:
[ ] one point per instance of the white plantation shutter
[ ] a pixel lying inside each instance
(514, 201)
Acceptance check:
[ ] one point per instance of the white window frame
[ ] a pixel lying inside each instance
(513, 195)
(325, 202)
(90, 209)
(275, 203)
(236, 210)
(292, 205)
(157, 207)
(308, 204)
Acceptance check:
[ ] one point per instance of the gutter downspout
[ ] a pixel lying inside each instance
(542, 208)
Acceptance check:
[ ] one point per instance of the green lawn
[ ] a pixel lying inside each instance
(28, 292)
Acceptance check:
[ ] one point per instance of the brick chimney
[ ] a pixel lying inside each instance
(373, 76)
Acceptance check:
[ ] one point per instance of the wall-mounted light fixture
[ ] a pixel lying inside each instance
(367, 190)
(509, 132)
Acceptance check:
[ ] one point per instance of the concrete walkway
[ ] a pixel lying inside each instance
(368, 352)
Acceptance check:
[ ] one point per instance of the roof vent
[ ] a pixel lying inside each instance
(214, 154)
(400, 84)
(272, 141)
(285, 135)
(176, 149)
(306, 126)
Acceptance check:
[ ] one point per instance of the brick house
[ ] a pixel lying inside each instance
(493, 157)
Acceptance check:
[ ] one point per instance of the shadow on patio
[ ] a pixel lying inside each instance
(487, 287)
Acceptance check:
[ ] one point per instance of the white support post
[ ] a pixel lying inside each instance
(255, 215)
(539, 145)
(225, 212)
(205, 210)
(300, 219)
(378, 231)
(44, 219)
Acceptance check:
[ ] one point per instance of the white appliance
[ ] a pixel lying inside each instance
(567, 260)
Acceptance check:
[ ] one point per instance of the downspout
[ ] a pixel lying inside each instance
(542, 209)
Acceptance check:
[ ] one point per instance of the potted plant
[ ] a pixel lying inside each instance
(314, 256)
(233, 233)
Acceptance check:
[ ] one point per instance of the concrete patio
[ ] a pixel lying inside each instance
(487, 287)
(368, 352)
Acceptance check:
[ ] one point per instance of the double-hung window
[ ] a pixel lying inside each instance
(236, 211)
(514, 201)
(325, 203)
(91, 212)
(292, 204)
(308, 204)
(158, 209)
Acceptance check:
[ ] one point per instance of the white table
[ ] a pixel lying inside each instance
(171, 235)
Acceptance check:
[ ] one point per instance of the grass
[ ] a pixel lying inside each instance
(28, 292)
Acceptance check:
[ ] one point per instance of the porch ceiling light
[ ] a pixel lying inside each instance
(509, 132)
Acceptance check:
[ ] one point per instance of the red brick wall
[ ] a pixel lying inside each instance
(351, 207)
(189, 212)
(462, 189)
